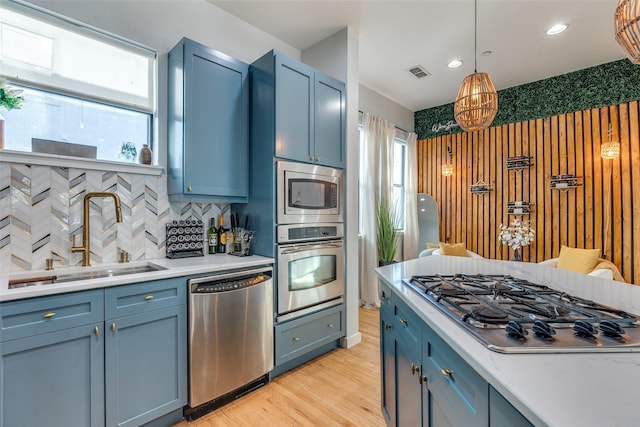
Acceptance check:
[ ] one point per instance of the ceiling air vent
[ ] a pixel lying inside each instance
(419, 72)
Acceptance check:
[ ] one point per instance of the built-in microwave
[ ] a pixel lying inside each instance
(308, 193)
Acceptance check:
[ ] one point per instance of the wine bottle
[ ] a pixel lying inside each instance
(222, 237)
(213, 236)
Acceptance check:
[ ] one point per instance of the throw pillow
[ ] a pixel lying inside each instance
(578, 260)
(433, 245)
(454, 249)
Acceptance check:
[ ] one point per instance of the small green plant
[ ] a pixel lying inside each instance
(387, 232)
(9, 97)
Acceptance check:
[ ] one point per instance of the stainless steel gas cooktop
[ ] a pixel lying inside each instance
(511, 315)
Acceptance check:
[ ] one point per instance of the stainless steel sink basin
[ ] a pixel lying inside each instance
(84, 275)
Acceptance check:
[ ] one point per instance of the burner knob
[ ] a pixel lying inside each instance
(611, 329)
(543, 329)
(515, 330)
(584, 329)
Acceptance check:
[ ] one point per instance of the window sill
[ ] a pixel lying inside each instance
(28, 158)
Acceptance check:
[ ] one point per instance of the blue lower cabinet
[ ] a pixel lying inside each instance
(63, 365)
(408, 385)
(458, 395)
(387, 365)
(54, 379)
(502, 413)
(306, 337)
(145, 366)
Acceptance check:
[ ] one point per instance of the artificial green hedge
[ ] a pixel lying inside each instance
(607, 84)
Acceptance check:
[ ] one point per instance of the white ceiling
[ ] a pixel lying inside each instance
(395, 35)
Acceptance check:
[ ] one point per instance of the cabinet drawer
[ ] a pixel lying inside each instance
(142, 297)
(454, 383)
(300, 336)
(407, 325)
(41, 315)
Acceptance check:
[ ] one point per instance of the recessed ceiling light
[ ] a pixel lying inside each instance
(557, 29)
(455, 63)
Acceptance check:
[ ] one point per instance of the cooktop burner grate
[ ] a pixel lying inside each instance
(498, 310)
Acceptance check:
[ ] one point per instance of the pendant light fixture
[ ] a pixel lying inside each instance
(611, 149)
(627, 25)
(477, 102)
(447, 168)
(608, 151)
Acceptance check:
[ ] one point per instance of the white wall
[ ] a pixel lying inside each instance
(337, 56)
(373, 102)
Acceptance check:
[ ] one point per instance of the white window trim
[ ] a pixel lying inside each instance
(23, 157)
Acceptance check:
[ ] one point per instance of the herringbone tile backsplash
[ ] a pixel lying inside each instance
(41, 215)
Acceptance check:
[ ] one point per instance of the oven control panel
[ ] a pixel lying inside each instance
(308, 232)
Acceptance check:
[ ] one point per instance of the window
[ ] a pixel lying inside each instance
(81, 85)
(399, 164)
(399, 160)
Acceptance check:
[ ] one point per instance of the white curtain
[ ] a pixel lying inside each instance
(411, 231)
(376, 181)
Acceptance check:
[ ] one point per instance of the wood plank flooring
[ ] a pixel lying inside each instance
(340, 388)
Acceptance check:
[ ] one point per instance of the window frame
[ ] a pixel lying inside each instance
(83, 92)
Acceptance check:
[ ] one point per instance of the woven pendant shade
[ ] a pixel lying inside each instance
(610, 150)
(477, 102)
(627, 28)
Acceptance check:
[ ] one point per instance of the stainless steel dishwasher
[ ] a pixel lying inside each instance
(230, 337)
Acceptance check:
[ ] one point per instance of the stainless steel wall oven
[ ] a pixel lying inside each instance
(310, 262)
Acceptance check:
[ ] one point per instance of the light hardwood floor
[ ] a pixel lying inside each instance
(340, 388)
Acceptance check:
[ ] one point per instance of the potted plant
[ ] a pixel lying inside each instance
(9, 99)
(387, 231)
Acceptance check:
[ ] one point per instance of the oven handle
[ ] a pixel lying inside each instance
(309, 248)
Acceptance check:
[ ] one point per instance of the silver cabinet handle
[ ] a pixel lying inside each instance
(309, 248)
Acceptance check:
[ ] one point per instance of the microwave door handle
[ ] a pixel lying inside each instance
(308, 248)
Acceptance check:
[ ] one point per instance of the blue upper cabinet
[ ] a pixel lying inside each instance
(329, 129)
(301, 109)
(208, 119)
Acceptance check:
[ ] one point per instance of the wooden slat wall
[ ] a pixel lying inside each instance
(565, 144)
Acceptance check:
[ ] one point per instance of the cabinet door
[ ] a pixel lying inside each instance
(458, 396)
(216, 132)
(387, 367)
(502, 413)
(294, 109)
(145, 366)
(408, 387)
(329, 125)
(54, 379)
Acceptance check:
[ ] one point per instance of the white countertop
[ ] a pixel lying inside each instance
(174, 268)
(558, 389)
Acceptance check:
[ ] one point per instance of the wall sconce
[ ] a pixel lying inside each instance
(611, 149)
(447, 168)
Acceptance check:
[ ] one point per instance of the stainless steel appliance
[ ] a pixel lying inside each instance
(308, 193)
(230, 335)
(310, 263)
(511, 315)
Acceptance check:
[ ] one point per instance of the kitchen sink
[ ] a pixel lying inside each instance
(84, 275)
